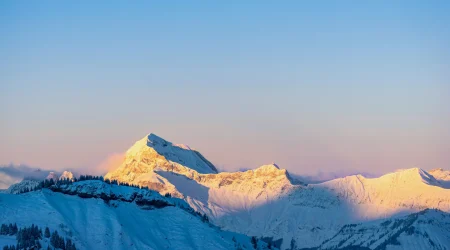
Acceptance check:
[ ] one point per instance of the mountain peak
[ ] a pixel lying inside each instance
(153, 151)
(66, 175)
(414, 174)
(272, 171)
(154, 139)
(52, 175)
(268, 167)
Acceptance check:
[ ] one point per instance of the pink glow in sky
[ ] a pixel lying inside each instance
(302, 85)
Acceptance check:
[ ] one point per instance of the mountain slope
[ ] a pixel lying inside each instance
(116, 217)
(429, 229)
(442, 176)
(265, 202)
(153, 153)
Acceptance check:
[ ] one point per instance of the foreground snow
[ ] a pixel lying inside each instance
(116, 220)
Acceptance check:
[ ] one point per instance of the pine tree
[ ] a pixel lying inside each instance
(3, 229)
(204, 218)
(15, 229)
(47, 232)
(10, 229)
(54, 239)
(254, 242)
(293, 244)
(70, 245)
(61, 243)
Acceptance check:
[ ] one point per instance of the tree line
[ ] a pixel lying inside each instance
(50, 182)
(29, 238)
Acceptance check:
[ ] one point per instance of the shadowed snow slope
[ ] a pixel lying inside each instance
(442, 176)
(429, 229)
(116, 217)
(265, 202)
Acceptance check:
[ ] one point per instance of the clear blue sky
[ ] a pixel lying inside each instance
(327, 86)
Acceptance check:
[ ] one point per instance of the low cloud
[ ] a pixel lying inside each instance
(11, 174)
(111, 162)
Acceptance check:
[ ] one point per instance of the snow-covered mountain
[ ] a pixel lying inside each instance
(152, 154)
(429, 229)
(12, 174)
(263, 202)
(21, 186)
(152, 149)
(407, 209)
(66, 175)
(266, 202)
(442, 176)
(52, 175)
(98, 215)
(32, 183)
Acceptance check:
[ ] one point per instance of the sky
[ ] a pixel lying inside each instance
(315, 87)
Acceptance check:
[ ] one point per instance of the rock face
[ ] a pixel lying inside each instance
(66, 175)
(266, 202)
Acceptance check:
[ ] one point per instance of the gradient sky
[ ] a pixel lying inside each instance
(331, 86)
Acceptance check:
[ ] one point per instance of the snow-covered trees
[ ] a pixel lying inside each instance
(205, 218)
(70, 245)
(254, 242)
(8, 229)
(30, 237)
(47, 183)
(47, 232)
(293, 244)
(57, 241)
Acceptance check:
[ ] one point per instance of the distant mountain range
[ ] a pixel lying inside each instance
(11, 174)
(407, 209)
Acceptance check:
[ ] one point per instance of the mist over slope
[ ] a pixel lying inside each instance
(12, 174)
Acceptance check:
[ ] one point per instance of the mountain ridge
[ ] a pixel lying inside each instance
(267, 202)
(98, 215)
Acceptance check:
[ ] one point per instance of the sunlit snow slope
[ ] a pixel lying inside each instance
(267, 202)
